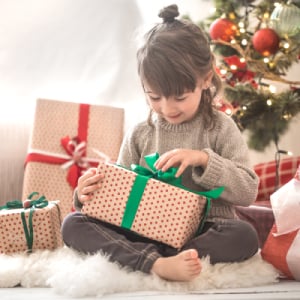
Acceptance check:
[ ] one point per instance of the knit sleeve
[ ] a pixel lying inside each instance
(130, 152)
(229, 165)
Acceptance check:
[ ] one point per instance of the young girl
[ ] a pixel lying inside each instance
(176, 68)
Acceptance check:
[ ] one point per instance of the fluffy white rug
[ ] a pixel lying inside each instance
(75, 275)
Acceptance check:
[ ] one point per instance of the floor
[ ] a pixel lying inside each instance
(282, 290)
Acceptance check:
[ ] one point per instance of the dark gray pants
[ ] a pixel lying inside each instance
(226, 241)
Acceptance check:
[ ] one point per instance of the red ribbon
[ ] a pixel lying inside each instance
(75, 160)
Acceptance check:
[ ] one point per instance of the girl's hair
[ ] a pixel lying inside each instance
(174, 55)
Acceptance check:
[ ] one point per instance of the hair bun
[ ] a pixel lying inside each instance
(169, 13)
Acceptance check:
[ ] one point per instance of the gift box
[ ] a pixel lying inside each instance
(282, 247)
(283, 252)
(27, 229)
(285, 204)
(162, 211)
(66, 139)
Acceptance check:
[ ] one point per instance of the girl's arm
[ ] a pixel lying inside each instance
(229, 166)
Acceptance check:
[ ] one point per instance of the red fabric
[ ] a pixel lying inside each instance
(267, 174)
(261, 218)
(276, 248)
(83, 122)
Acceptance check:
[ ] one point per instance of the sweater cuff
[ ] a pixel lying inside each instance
(77, 204)
(210, 177)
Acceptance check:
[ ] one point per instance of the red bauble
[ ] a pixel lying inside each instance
(265, 41)
(222, 29)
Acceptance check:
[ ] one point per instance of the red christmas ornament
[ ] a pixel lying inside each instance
(265, 41)
(223, 29)
(235, 60)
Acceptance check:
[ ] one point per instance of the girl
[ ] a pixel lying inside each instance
(176, 68)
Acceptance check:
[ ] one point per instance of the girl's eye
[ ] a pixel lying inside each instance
(180, 98)
(154, 98)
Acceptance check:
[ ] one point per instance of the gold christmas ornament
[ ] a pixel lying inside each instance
(285, 19)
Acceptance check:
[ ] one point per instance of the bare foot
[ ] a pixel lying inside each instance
(184, 266)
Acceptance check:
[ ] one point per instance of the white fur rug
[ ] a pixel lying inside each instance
(75, 275)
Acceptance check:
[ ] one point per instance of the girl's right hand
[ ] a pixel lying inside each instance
(89, 183)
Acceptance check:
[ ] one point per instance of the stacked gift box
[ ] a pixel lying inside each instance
(66, 139)
(27, 229)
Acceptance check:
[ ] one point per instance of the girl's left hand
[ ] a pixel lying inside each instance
(181, 158)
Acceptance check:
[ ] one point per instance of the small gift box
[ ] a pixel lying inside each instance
(282, 247)
(285, 203)
(32, 228)
(66, 139)
(151, 203)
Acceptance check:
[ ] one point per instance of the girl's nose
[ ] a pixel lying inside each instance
(166, 105)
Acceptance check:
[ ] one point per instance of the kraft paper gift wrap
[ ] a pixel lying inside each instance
(39, 229)
(148, 206)
(66, 139)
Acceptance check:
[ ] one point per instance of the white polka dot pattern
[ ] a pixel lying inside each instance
(56, 119)
(46, 229)
(166, 213)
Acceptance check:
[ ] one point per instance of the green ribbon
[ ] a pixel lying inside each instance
(33, 204)
(144, 174)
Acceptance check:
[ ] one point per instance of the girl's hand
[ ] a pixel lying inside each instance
(88, 183)
(181, 158)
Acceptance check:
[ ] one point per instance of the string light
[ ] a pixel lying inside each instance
(266, 60)
(228, 111)
(287, 116)
(269, 102)
(241, 24)
(212, 10)
(244, 42)
(272, 89)
(223, 71)
(266, 15)
(233, 67)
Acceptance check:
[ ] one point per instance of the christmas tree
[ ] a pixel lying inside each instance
(256, 43)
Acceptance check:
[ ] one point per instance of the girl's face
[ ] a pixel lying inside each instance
(175, 109)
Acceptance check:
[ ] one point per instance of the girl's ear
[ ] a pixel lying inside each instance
(208, 79)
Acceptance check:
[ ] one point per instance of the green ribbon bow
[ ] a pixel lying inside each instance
(33, 204)
(144, 174)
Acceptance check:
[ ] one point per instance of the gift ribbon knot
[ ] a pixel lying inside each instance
(76, 153)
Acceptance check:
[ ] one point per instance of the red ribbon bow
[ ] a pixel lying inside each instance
(76, 164)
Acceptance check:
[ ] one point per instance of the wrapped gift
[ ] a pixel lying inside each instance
(151, 203)
(32, 228)
(66, 139)
(282, 248)
(285, 203)
(283, 252)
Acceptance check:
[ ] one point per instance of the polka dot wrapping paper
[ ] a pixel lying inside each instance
(46, 224)
(63, 141)
(165, 213)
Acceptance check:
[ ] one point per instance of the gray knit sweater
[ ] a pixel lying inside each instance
(228, 163)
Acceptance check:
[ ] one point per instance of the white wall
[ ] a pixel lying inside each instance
(81, 51)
